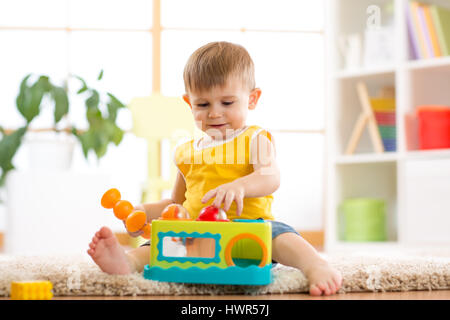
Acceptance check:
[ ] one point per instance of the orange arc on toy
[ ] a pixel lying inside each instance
(229, 258)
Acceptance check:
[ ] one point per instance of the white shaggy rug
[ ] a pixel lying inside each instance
(78, 276)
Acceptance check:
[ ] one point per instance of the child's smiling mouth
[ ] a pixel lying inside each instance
(217, 125)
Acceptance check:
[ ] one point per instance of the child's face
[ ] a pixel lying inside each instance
(222, 108)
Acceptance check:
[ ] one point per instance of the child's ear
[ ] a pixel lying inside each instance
(254, 97)
(186, 99)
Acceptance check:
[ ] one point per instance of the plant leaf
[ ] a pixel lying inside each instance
(100, 76)
(94, 100)
(22, 99)
(37, 91)
(115, 100)
(84, 85)
(101, 143)
(113, 105)
(61, 103)
(117, 135)
(94, 117)
(9, 144)
(87, 141)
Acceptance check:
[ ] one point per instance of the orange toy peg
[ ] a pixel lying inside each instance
(175, 212)
(123, 209)
(147, 229)
(135, 221)
(110, 198)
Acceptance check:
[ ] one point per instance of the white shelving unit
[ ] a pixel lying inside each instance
(414, 184)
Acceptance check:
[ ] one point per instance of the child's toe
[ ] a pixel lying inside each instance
(314, 290)
(105, 232)
(332, 286)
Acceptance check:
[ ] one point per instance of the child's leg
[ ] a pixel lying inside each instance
(111, 257)
(292, 250)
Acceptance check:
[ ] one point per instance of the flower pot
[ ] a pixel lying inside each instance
(50, 151)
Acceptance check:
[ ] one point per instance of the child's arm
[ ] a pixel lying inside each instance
(153, 210)
(263, 181)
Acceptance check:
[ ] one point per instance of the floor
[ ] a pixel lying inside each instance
(410, 295)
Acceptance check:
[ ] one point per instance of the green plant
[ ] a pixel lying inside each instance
(101, 115)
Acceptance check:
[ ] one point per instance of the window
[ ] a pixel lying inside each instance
(284, 37)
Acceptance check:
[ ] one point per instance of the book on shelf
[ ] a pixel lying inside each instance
(416, 32)
(413, 37)
(428, 30)
(441, 20)
(423, 29)
(432, 31)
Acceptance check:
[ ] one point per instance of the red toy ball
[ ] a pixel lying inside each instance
(212, 213)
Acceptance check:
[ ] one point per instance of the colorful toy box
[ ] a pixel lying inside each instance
(237, 252)
(210, 249)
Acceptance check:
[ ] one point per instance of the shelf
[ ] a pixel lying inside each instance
(392, 156)
(428, 154)
(364, 72)
(425, 64)
(367, 158)
(411, 182)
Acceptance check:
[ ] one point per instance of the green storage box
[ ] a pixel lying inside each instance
(362, 219)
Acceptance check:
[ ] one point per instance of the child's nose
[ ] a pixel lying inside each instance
(215, 113)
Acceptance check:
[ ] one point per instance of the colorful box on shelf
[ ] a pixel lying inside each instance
(433, 126)
(362, 219)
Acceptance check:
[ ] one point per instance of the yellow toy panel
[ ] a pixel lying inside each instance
(237, 252)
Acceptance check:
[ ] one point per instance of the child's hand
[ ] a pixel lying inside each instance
(133, 234)
(227, 193)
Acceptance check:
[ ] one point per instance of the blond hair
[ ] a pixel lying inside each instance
(212, 64)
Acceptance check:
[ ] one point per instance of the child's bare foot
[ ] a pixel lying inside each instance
(323, 279)
(107, 253)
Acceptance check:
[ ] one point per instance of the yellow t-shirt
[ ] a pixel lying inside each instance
(206, 168)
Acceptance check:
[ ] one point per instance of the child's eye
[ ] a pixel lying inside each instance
(202, 104)
(227, 103)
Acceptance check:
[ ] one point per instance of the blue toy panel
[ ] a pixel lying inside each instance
(251, 275)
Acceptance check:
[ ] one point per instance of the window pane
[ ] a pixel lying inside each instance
(130, 14)
(125, 58)
(38, 52)
(299, 200)
(176, 47)
(42, 13)
(290, 73)
(250, 14)
(293, 88)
